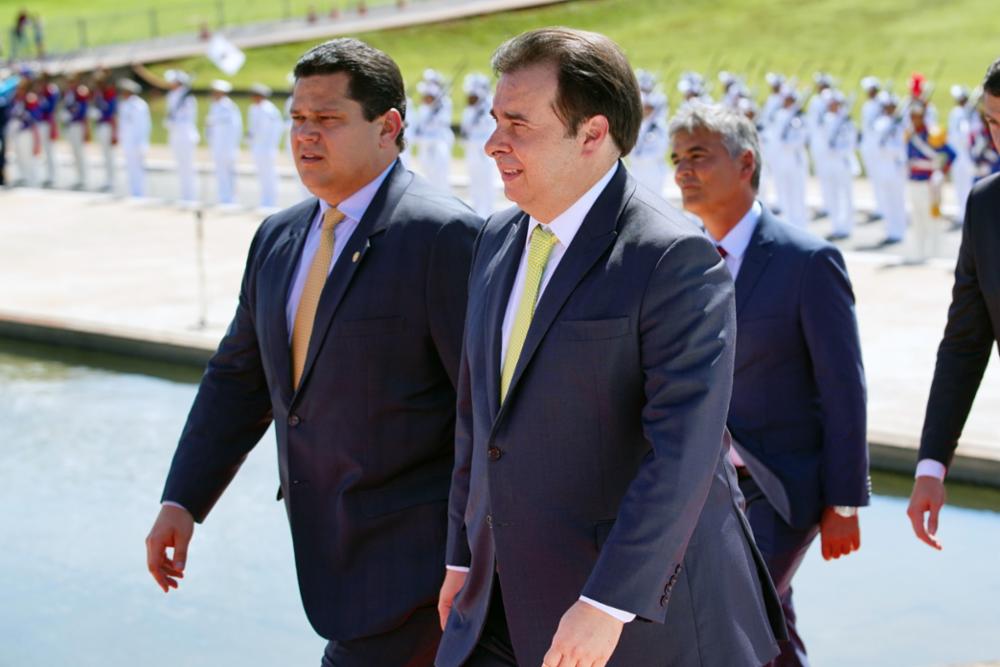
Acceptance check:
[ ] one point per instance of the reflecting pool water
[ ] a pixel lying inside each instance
(85, 442)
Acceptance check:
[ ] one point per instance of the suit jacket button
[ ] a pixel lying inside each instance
(489, 519)
(293, 420)
(494, 453)
(664, 600)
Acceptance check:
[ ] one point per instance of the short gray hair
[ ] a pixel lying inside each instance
(737, 132)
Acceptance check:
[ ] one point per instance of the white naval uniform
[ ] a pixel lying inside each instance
(477, 126)
(790, 166)
(963, 169)
(224, 131)
(648, 159)
(265, 128)
(888, 174)
(134, 126)
(870, 112)
(434, 139)
(841, 139)
(767, 192)
(182, 131)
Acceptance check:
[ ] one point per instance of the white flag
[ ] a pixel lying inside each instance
(225, 55)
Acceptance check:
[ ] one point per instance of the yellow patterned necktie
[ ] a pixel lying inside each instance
(305, 315)
(539, 249)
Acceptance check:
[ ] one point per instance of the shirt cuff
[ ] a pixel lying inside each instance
(170, 503)
(617, 614)
(456, 568)
(931, 468)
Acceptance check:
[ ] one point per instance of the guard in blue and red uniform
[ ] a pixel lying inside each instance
(48, 129)
(928, 159)
(76, 105)
(106, 128)
(24, 132)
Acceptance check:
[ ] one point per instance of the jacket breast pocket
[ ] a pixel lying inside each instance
(380, 326)
(615, 327)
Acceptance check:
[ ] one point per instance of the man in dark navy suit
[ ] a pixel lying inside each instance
(797, 415)
(346, 337)
(973, 329)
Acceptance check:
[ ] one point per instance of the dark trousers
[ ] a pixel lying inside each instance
(494, 648)
(413, 644)
(783, 548)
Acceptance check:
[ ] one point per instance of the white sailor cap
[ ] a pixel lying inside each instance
(177, 76)
(822, 79)
(129, 85)
(789, 92)
(746, 105)
(870, 83)
(432, 75)
(655, 99)
(726, 77)
(260, 89)
(429, 89)
(476, 84)
(220, 86)
(885, 98)
(646, 79)
(837, 96)
(959, 92)
(774, 79)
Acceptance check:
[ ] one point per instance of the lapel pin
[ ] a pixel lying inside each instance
(356, 257)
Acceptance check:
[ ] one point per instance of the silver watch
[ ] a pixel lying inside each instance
(845, 511)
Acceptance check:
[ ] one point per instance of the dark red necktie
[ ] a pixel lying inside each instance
(722, 251)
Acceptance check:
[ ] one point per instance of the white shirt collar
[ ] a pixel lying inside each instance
(737, 240)
(354, 207)
(567, 224)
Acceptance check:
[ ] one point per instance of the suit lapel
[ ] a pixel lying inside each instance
(362, 241)
(282, 265)
(757, 256)
(500, 276)
(596, 234)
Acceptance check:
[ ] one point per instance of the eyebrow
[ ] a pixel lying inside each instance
(510, 115)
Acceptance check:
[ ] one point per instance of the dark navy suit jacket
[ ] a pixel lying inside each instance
(973, 324)
(798, 410)
(365, 445)
(603, 472)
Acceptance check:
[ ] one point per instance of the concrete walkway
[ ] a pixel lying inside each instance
(97, 271)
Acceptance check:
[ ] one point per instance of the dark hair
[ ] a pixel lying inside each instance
(594, 78)
(375, 81)
(991, 82)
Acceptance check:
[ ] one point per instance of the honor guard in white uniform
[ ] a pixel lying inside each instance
(841, 141)
(960, 127)
(265, 128)
(75, 116)
(649, 157)
(224, 131)
(476, 128)
(765, 121)
(105, 113)
(432, 130)
(815, 113)
(691, 86)
(868, 145)
(888, 171)
(790, 165)
(134, 127)
(181, 121)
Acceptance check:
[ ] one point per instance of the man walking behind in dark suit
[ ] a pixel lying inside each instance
(347, 338)
(973, 328)
(592, 490)
(797, 415)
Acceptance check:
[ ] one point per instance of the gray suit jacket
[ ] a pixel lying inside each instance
(603, 472)
(365, 444)
(973, 324)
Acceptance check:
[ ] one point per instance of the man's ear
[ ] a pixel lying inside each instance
(747, 165)
(594, 132)
(392, 125)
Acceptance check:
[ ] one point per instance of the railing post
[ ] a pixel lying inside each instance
(81, 25)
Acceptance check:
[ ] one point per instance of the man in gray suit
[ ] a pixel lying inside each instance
(347, 338)
(972, 330)
(592, 489)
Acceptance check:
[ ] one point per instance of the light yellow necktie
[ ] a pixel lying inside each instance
(305, 315)
(539, 249)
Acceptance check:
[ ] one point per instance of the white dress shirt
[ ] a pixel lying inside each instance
(353, 208)
(564, 227)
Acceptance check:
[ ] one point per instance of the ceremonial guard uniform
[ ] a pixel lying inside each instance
(649, 156)
(106, 127)
(76, 114)
(765, 122)
(265, 128)
(224, 130)
(48, 128)
(134, 128)
(23, 132)
(868, 146)
(182, 132)
(432, 130)
(790, 166)
(963, 171)
(928, 159)
(841, 140)
(888, 170)
(477, 126)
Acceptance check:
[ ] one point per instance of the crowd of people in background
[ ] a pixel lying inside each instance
(905, 148)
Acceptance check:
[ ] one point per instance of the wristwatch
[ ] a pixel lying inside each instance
(845, 511)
